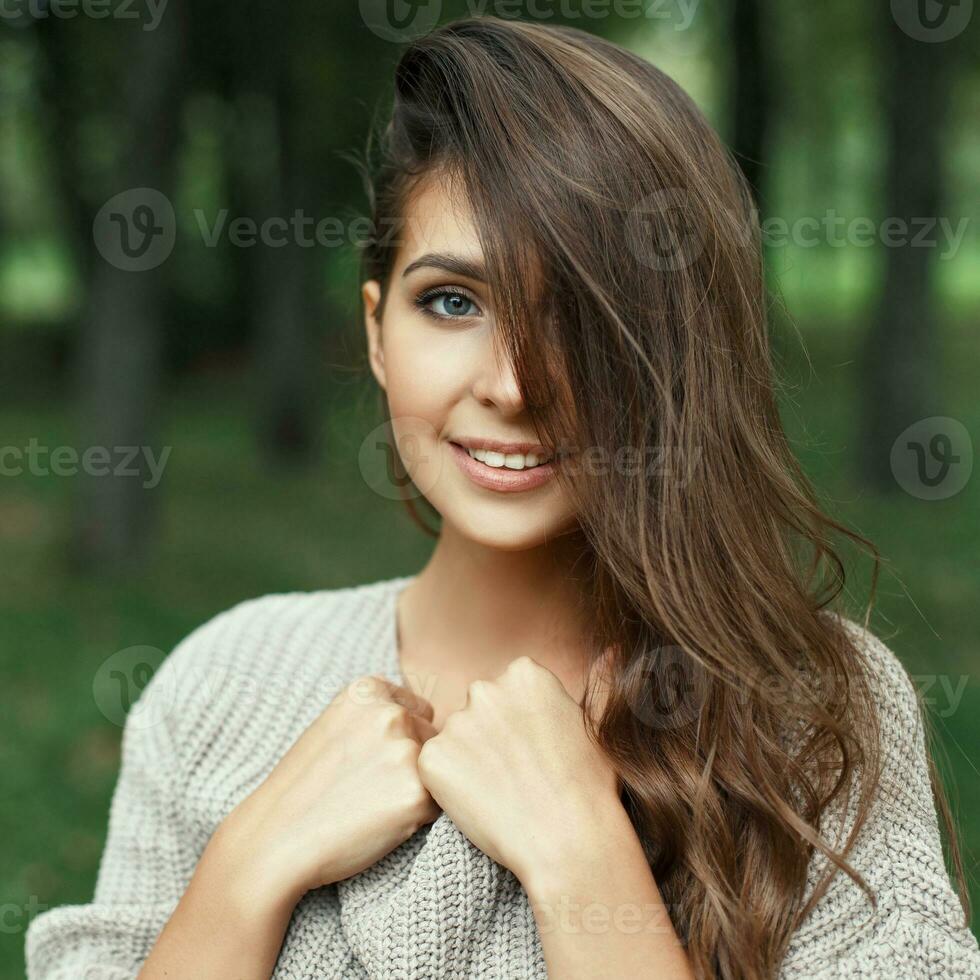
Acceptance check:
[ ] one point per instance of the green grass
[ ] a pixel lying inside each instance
(230, 527)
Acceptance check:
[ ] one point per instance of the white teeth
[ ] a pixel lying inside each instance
(512, 461)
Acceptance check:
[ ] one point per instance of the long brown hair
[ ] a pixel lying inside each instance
(624, 261)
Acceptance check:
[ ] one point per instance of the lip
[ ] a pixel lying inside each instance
(475, 442)
(500, 478)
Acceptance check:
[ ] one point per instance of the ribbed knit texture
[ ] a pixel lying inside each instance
(234, 696)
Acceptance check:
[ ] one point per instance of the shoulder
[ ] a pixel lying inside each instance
(898, 850)
(877, 654)
(886, 680)
(335, 629)
(241, 687)
(880, 677)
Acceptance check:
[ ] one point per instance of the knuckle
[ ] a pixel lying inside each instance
(427, 754)
(450, 727)
(478, 689)
(396, 709)
(418, 801)
(458, 725)
(522, 665)
(410, 801)
(363, 690)
(406, 751)
(390, 715)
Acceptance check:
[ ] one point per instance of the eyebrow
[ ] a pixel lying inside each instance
(469, 268)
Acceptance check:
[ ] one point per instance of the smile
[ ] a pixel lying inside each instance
(504, 472)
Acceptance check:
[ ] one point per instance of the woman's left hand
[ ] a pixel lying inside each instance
(516, 770)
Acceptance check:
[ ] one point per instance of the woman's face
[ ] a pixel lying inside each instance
(450, 384)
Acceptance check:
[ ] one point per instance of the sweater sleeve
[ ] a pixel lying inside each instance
(148, 856)
(918, 929)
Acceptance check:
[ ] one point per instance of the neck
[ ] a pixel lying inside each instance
(486, 606)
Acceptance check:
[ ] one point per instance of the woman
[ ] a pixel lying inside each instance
(613, 728)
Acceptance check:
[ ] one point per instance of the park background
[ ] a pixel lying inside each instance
(248, 363)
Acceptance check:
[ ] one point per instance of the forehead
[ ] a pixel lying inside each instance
(437, 218)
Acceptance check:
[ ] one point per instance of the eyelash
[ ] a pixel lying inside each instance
(428, 295)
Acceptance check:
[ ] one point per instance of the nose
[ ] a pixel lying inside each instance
(495, 382)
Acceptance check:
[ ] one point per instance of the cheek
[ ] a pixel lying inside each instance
(426, 373)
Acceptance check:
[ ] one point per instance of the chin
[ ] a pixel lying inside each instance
(516, 533)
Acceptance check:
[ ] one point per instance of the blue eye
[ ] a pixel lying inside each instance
(447, 304)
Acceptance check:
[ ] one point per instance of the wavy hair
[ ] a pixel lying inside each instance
(623, 257)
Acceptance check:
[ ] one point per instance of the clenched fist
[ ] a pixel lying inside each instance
(515, 768)
(346, 793)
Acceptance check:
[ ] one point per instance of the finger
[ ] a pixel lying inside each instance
(424, 729)
(414, 703)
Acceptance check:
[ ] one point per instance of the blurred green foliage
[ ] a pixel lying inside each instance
(231, 524)
(233, 528)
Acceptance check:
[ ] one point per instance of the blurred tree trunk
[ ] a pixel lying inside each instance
(274, 173)
(901, 350)
(119, 356)
(751, 90)
(286, 309)
(59, 44)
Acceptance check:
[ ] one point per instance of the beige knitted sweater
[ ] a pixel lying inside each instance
(234, 695)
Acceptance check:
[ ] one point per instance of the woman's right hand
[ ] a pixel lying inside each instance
(345, 794)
